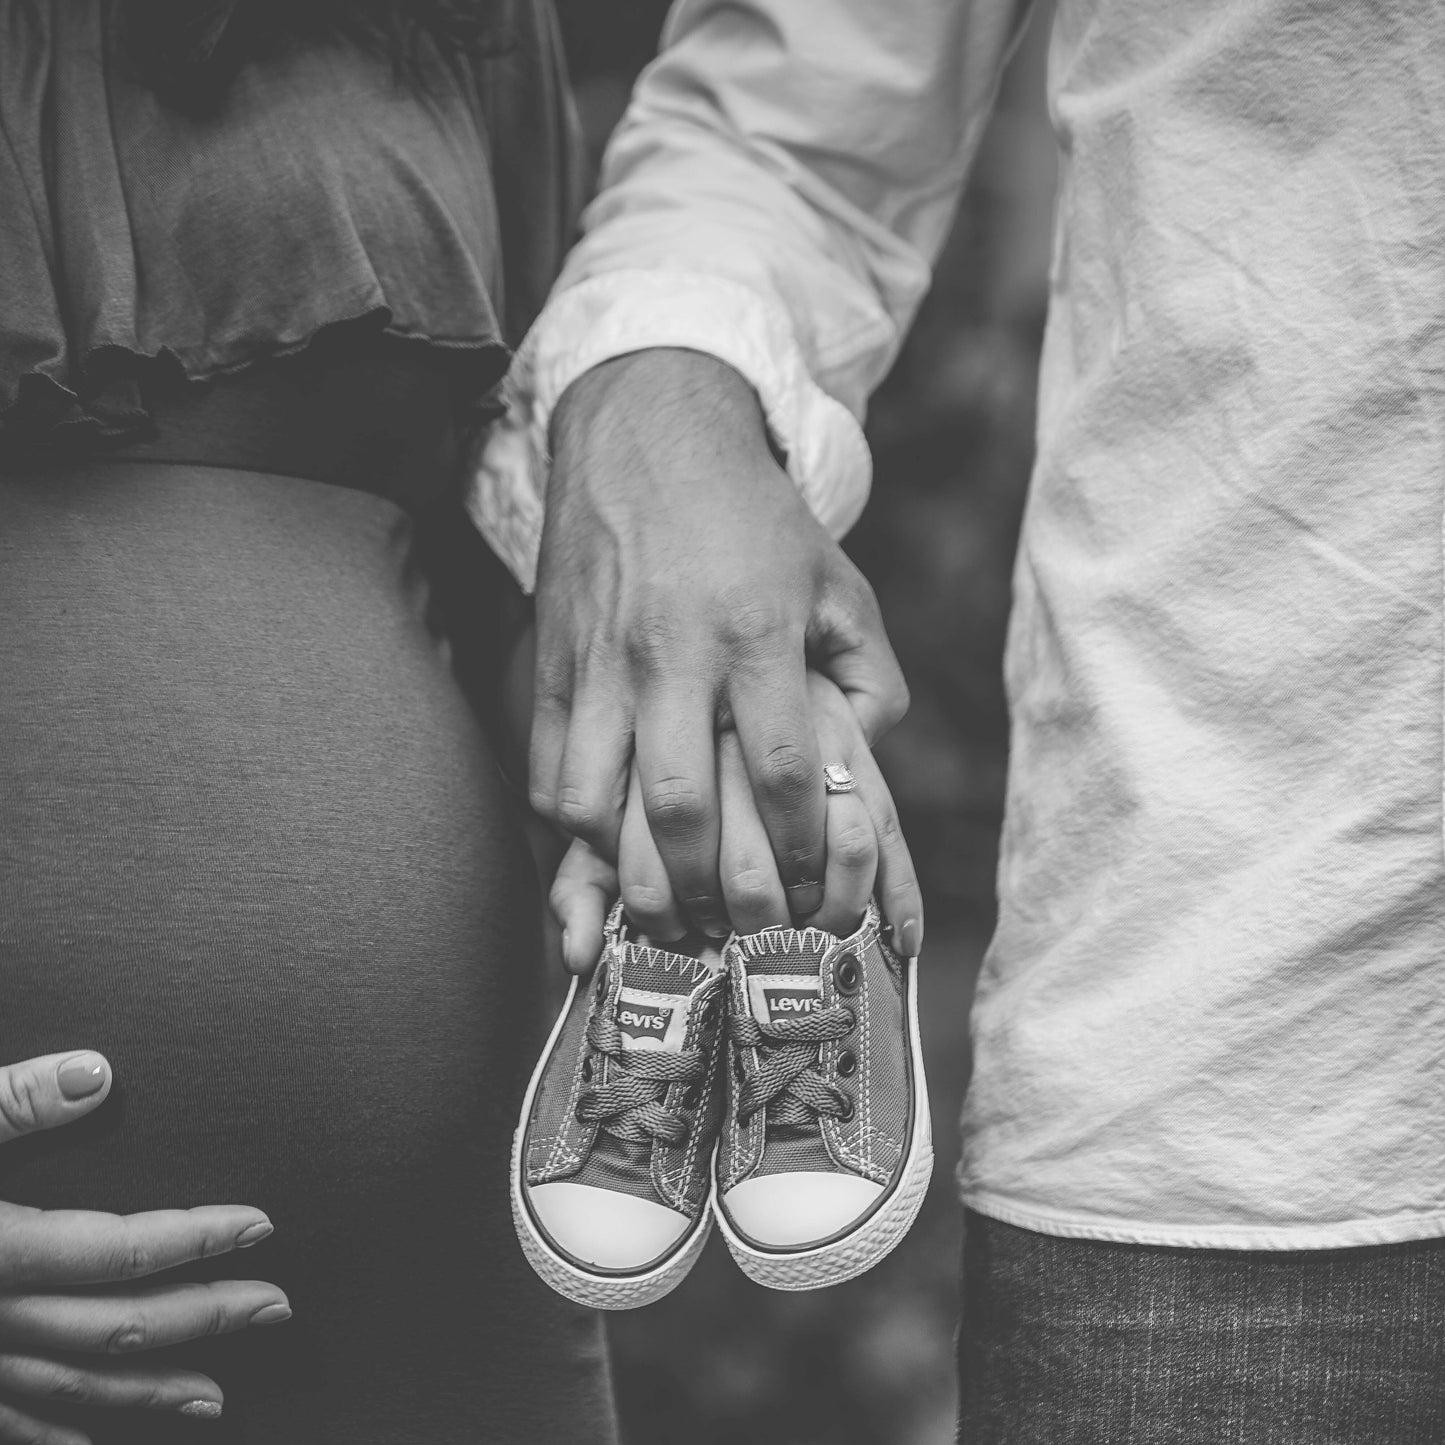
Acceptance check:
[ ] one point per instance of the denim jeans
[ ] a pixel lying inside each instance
(1077, 1342)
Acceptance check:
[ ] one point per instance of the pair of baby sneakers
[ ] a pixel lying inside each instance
(776, 1084)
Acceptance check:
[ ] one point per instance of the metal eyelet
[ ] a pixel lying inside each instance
(692, 1097)
(847, 1064)
(852, 1019)
(586, 1071)
(847, 976)
(850, 1107)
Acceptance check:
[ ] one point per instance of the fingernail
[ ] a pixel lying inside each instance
(81, 1076)
(910, 938)
(255, 1233)
(201, 1409)
(271, 1314)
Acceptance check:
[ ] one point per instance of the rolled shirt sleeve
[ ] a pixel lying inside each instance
(774, 197)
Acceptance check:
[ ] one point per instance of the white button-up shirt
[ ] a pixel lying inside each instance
(1214, 1010)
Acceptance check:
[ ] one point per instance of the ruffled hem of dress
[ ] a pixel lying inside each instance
(41, 416)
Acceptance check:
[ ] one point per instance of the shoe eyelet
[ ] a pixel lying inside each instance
(586, 1071)
(692, 1097)
(847, 975)
(847, 1064)
(850, 1107)
(852, 1019)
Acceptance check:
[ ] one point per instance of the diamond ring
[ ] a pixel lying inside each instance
(838, 778)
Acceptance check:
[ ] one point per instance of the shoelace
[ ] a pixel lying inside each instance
(629, 1105)
(787, 1081)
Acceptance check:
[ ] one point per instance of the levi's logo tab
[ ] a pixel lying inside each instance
(790, 1003)
(775, 997)
(649, 1020)
(643, 1020)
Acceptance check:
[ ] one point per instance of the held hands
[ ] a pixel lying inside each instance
(866, 854)
(684, 589)
(63, 1320)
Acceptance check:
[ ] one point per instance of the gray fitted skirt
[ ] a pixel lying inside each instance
(255, 848)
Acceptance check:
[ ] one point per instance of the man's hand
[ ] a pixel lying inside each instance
(867, 855)
(685, 587)
(59, 1269)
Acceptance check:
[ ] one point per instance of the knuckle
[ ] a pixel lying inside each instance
(207, 1244)
(153, 1396)
(750, 888)
(66, 1385)
(542, 799)
(128, 1338)
(888, 828)
(559, 896)
(598, 658)
(21, 1108)
(581, 814)
(747, 623)
(215, 1319)
(134, 1260)
(651, 640)
(675, 807)
(786, 772)
(644, 902)
(854, 846)
(552, 679)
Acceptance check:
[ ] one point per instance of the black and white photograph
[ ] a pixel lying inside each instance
(722, 722)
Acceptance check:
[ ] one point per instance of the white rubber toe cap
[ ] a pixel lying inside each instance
(604, 1228)
(782, 1210)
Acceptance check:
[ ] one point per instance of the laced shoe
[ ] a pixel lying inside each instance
(612, 1162)
(826, 1148)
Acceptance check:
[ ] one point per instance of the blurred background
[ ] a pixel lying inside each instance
(871, 1363)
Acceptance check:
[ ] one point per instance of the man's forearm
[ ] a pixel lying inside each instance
(774, 198)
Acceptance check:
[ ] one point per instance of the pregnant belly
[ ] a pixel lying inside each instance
(254, 847)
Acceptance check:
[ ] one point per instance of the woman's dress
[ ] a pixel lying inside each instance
(254, 844)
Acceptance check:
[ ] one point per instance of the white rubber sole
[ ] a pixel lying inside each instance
(856, 1253)
(599, 1291)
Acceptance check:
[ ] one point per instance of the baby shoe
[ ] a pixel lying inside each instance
(612, 1162)
(826, 1148)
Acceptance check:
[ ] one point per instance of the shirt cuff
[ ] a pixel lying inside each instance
(634, 310)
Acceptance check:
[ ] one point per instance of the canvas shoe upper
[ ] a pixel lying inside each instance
(825, 1149)
(612, 1166)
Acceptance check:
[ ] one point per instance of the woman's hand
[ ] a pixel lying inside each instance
(59, 1270)
(867, 855)
(684, 586)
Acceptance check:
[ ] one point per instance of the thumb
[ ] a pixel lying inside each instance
(582, 893)
(51, 1090)
(849, 645)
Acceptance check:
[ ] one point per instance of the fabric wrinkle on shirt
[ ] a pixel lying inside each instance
(1212, 1013)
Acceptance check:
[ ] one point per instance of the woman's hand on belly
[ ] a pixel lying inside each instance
(59, 1272)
